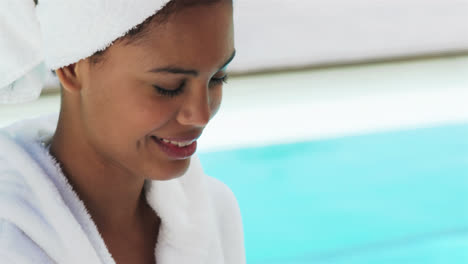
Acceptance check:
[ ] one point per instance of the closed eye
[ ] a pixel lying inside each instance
(218, 81)
(169, 92)
(172, 93)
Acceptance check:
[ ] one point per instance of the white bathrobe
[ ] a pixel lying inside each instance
(42, 220)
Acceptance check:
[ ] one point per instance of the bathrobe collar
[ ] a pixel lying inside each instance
(61, 224)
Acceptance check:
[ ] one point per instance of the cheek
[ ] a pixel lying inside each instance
(215, 100)
(146, 112)
(152, 114)
(128, 112)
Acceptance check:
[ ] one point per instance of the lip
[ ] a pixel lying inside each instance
(191, 137)
(175, 152)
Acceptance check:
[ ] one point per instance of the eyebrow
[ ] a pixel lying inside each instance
(177, 70)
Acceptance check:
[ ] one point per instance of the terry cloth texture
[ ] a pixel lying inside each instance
(74, 30)
(22, 73)
(42, 220)
(58, 33)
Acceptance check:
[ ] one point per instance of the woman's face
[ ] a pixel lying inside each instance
(168, 85)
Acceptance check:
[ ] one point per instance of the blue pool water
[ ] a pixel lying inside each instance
(396, 197)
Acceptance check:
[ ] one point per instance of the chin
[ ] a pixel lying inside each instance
(172, 170)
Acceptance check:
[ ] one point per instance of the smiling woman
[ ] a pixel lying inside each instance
(114, 178)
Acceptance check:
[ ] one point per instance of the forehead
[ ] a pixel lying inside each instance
(194, 37)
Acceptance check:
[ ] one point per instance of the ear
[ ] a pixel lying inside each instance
(70, 78)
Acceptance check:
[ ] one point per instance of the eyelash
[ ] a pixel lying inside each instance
(218, 81)
(172, 93)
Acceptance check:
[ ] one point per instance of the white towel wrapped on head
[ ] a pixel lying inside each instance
(22, 73)
(73, 30)
(58, 33)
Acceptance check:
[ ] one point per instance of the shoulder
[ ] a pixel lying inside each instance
(228, 216)
(224, 201)
(222, 195)
(17, 248)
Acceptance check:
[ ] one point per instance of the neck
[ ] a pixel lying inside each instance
(113, 196)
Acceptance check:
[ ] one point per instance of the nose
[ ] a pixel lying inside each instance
(196, 110)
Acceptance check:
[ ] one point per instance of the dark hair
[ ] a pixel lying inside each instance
(138, 32)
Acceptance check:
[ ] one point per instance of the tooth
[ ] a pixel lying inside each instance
(179, 144)
(175, 143)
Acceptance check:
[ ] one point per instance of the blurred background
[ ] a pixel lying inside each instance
(343, 131)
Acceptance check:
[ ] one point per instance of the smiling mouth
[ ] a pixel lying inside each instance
(180, 144)
(177, 150)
